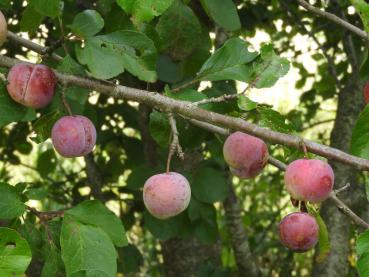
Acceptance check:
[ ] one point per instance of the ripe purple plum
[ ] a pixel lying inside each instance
(73, 136)
(31, 85)
(299, 231)
(309, 180)
(167, 194)
(246, 155)
(3, 28)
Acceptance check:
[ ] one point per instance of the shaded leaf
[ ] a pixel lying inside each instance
(144, 10)
(224, 13)
(11, 205)
(229, 62)
(87, 250)
(95, 213)
(15, 254)
(122, 50)
(360, 135)
(87, 23)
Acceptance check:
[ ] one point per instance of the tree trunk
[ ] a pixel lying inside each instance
(184, 257)
(245, 261)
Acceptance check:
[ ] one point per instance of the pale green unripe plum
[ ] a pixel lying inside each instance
(166, 195)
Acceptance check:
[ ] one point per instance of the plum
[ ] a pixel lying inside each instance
(3, 28)
(31, 85)
(309, 180)
(73, 136)
(299, 231)
(246, 155)
(166, 195)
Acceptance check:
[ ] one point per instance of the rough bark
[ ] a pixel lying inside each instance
(245, 261)
(94, 177)
(184, 257)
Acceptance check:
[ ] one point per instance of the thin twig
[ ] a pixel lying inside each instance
(45, 216)
(64, 98)
(223, 98)
(175, 145)
(334, 19)
(31, 45)
(341, 189)
(185, 85)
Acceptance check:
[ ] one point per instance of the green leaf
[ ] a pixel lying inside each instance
(229, 62)
(11, 205)
(95, 213)
(199, 210)
(190, 95)
(11, 111)
(130, 259)
(268, 68)
(87, 250)
(42, 126)
(53, 265)
(360, 135)
(160, 128)
(70, 66)
(31, 20)
(122, 50)
(363, 265)
(144, 10)
(324, 245)
(274, 120)
(87, 23)
(363, 9)
(209, 185)
(49, 8)
(224, 13)
(362, 243)
(46, 162)
(15, 253)
(246, 104)
(180, 31)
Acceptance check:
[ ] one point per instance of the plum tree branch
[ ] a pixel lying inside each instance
(282, 166)
(185, 109)
(334, 19)
(174, 146)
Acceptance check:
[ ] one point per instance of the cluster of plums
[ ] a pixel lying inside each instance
(307, 180)
(34, 86)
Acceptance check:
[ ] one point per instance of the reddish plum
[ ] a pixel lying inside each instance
(299, 231)
(246, 155)
(31, 85)
(309, 180)
(73, 136)
(166, 195)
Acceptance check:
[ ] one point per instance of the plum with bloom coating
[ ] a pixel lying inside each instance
(299, 231)
(3, 28)
(246, 155)
(309, 180)
(73, 136)
(31, 85)
(166, 195)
